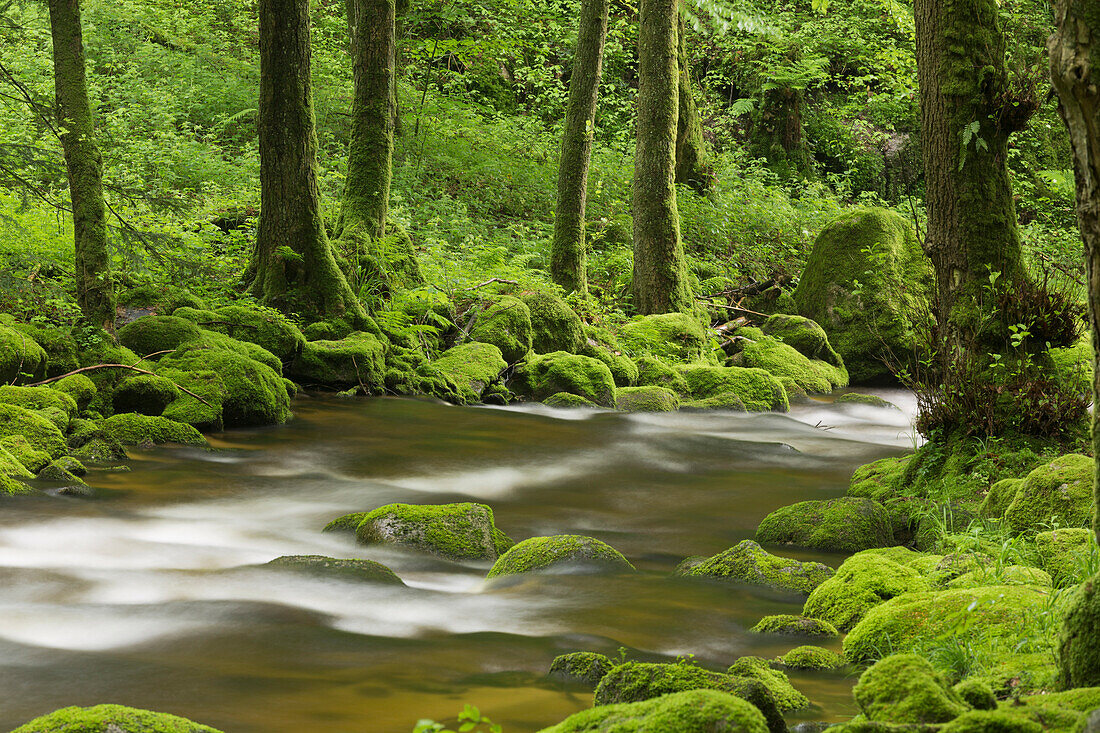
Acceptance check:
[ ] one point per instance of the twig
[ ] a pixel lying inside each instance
(490, 281)
(44, 382)
(737, 308)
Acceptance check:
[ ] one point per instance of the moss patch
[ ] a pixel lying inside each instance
(564, 399)
(756, 389)
(646, 399)
(545, 375)
(554, 325)
(473, 367)
(786, 696)
(862, 582)
(264, 327)
(79, 387)
(145, 393)
(542, 553)
(150, 334)
(57, 407)
(848, 524)
(134, 429)
(792, 625)
(584, 668)
(694, 711)
(1062, 488)
(786, 362)
(880, 480)
(805, 335)
(750, 563)
(506, 324)
(1063, 553)
(111, 719)
(673, 337)
(21, 358)
(904, 688)
(39, 432)
(812, 658)
(463, 531)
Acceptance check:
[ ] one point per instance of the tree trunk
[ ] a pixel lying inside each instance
(371, 24)
(94, 286)
(660, 275)
(293, 267)
(692, 166)
(966, 119)
(567, 261)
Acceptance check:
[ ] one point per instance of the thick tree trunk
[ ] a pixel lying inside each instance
(293, 267)
(692, 166)
(94, 287)
(965, 123)
(660, 275)
(567, 261)
(371, 24)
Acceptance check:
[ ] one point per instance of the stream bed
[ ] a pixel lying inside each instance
(151, 593)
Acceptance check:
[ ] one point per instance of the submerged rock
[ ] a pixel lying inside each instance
(694, 711)
(340, 568)
(463, 531)
(111, 719)
(848, 524)
(585, 668)
(750, 563)
(542, 553)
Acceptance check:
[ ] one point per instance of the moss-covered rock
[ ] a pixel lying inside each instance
(812, 658)
(976, 694)
(473, 367)
(999, 497)
(1061, 488)
(57, 407)
(652, 372)
(39, 432)
(646, 399)
(862, 582)
(151, 334)
(21, 358)
(879, 480)
(338, 568)
(583, 668)
(868, 400)
(1079, 641)
(147, 394)
(79, 387)
(1064, 553)
(992, 721)
(162, 299)
(64, 471)
(358, 359)
(786, 696)
(869, 285)
(564, 399)
(792, 625)
(57, 341)
(32, 457)
(756, 389)
(603, 345)
(111, 719)
(805, 335)
(11, 466)
(544, 375)
(694, 711)
(554, 325)
(506, 324)
(134, 429)
(265, 327)
(463, 531)
(750, 563)
(848, 524)
(673, 337)
(12, 487)
(905, 689)
(204, 415)
(1003, 575)
(808, 376)
(544, 553)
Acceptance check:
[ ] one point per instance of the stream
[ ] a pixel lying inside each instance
(152, 593)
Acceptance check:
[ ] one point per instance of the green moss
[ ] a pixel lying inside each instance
(786, 696)
(694, 711)
(1005, 575)
(10, 465)
(1062, 488)
(868, 283)
(791, 625)
(544, 375)
(134, 429)
(786, 362)
(757, 389)
(100, 450)
(79, 387)
(152, 334)
(564, 399)
(542, 553)
(356, 360)
(206, 415)
(255, 352)
(904, 688)
(110, 719)
(346, 523)
(848, 524)
(58, 343)
(977, 694)
(264, 327)
(586, 668)
(57, 407)
(856, 398)
(992, 721)
(805, 335)
(331, 330)
(463, 531)
(21, 358)
(672, 337)
(62, 471)
(652, 372)
(646, 399)
(603, 345)
(728, 401)
(338, 568)
(880, 480)
(162, 299)
(1079, 641)
(750, 563)
(554, 325)
(39, 432)
(506, 324)
(11, 487)
(1064, 553)
(812, 658)
(999, 497)
(862, 582)
(473, 367)
(147, 394)
(26, 454)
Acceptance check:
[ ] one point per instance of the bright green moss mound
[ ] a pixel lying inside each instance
(554, 325)
(545, 375)
(264, 327)
(868, 284)
(585, 668)
(791, 625)
(694, 711)
(506, 324)
(673, 337)
(992, 721)
(1004, 575)
(786, 362)
(161, 298)
(603, 345)
(542, 553)
(805, 335)
(79, 387)
(346, 523)
(57, 407)
(134, 429)
(11, 466)
(338, 568)
(21, 358)
(11, 487)
(786, 696)
(473, 367)
(999, 497)
(856, 398)
(25, 453)
(646, 399)
(357, 359)
(879, 480)
(1061, 488)
(1079, 641)
(205, 415)
(976, 694)
(564, 399)
(464, 531)
(750, 563)
(757, 390)
(145, 393)
(1063, 553)
(848, 524)
(58, 343)
(42, 434)
(151, 334)
(862, 582)
(111, 719)
(812, 658)
(904, 688)
(652, 372)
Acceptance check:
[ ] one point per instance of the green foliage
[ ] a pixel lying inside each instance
(470, 720)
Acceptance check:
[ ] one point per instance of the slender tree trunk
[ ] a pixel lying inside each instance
(660, 275)
(692, 166)
(966, 118)
(567, 261)
(371, 24)
(293, 267)
(94, 286)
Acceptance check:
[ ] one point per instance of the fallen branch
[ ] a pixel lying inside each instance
(490, 281)
(44, 382)
(737, 308)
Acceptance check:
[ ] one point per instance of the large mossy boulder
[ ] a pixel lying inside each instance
(159, 299)
(787, 697)
(603, 345)
(21, 358)
(1064, 553)
(463, 531)
(57, 407)
(548, 374)
(756, 390)
(869, 285)
(132, 428)
(367, 571)
(11, 466)
(152, 334)
(506, 324)
(1079, 640)
(356, 360)
(10, 486)
(473, 367)
(32, 457)
(808, 376)
(558, 552)
(265, 327)
(805, 335)
(748, 562)
(904, 689)
(79, 387)
(554, 325)
(673, 337)
(848, 524)
(40, 433)
(148, 394)
(1062, 488)
(694, 711)
(862, 582)
(111, 719)
(57, 341)
(646, 399)
(880, 480)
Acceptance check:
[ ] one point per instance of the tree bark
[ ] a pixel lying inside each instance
(660, 275)
(568, 257)
(94, 285)
(692, 165)
(293, 267)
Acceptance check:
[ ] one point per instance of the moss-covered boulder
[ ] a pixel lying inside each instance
(568, 401)
(646, 399)
(787, 624)
(473, 367)
(40, 433)
(805, 335)
(148, 394)
(976, 694)
(544, 375)
(205, 414)
(582, 668)
(1002, 575)
(265, 327)
(133, 429)
(879, 480)
(673, 337)
(506, 324)
(64, 471)
(57, 407)
(1061, 488)
(652, 372)
(905, 689)
(11, 466)
(32, 456)
(12, 487)
(558, 552)
(694, 711)
(160, 299)
(111, 719)
(1064, 553)
(79, 387)
(554, 325)
(808, 376)
(994, 721)
(868, 283)
(338, 568)
(21, 358)
(152, 334)
(463, 531)
(748, 562)
(813, 658)
(756, 389)
(867, 400)
(1079, 641)
(601, 344)
(999, 497)
(786, 696)
(862, 582)
(355, 360)
(848, 524)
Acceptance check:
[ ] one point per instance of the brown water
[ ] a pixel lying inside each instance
(148, 594)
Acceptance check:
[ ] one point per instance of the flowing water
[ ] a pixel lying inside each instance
(151, 594)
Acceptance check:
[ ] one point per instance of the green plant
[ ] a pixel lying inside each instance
(470, 720)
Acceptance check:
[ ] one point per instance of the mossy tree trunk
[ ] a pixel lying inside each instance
(293, 267)
(966, 117)
(567, 261)
(94, 286)
(660, 274)
(692, 165)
